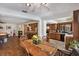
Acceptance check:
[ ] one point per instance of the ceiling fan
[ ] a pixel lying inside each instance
(30, 7)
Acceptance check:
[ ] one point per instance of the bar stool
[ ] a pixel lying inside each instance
(1, 42)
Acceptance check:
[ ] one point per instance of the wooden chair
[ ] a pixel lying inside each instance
(54, 53)
(28, 54)
(23, 38)
(73, 52)
(45, 38)
(62, 53)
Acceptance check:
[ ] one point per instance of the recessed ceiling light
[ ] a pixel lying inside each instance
(24, 11)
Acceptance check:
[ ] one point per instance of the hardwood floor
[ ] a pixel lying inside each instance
(12, 48)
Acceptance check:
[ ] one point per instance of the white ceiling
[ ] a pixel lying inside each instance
(15, 20)
(50, 11)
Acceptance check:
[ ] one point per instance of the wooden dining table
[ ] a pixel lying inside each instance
(43, 49)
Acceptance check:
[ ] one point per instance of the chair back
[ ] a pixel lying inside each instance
(45, 38)
(23, 38)
(75, 52)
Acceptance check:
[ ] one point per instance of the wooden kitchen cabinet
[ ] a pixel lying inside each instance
(30, 29)
(51, 36)
(58, 37)
(55, 36)
(55, 31)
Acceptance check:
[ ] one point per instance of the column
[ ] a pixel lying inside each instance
(41, 28)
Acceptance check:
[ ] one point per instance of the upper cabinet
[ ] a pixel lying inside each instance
(32, 27)
(65, 27)
(51, 27)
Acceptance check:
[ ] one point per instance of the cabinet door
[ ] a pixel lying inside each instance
(51, 36)
(57, 36)
(68, 28)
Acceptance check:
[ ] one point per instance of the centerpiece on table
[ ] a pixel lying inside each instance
(36, 39)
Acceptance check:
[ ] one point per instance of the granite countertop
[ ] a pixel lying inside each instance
(69, 35)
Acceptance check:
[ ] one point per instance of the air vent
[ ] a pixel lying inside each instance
(24, 11)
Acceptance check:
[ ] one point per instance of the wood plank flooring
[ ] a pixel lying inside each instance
(12, 48)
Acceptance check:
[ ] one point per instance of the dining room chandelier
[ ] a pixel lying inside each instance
(31, 7)
(30, 4)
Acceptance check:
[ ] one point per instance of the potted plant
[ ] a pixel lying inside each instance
(74, 44)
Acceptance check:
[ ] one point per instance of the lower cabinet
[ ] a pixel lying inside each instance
(56, 36)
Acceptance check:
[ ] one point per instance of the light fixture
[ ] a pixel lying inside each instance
(28, 4)
(31, 7)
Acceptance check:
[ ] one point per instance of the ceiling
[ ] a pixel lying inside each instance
(13, 11)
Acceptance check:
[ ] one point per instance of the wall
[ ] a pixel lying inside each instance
(14, 28)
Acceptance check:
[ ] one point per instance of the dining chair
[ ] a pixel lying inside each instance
(23, 38)
(28, 54)
(53, 53)
(64, 53)
(45, 38)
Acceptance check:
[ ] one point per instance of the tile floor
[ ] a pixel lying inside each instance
(57, 44)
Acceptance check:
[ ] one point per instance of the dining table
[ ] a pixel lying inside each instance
(42, 49)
